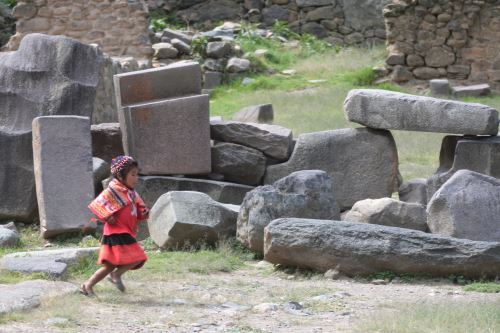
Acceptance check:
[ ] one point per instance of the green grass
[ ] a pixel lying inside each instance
(483, 287)
(447, 317)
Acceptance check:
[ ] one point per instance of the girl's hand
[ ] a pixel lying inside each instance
(110, 220)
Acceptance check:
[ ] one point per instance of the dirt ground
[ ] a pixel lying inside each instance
(254, 299)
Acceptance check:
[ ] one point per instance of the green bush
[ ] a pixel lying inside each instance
(9, 3)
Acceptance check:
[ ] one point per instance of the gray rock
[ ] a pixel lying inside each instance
(51, 262)
(238, 65)
(10, 225)
(29, 294)
(414, 191)
(181, 46)
(439, 87)
(438, 56)
(165, 51)
(62, 157)
(314, 3)
(214, 11)
(401, 74)
(262, 113)
(389, 212)
(306, 193)
(106, 141)
(479, 154)
(471, 91)
(275, 13)
(239, 164)
(212, 80)
(322, 245)
(392, 110)
(274, 141)
(36, 83)
(169, 34)
(364, 14)
(8, 238)
(218, 49)
(214, 65)
(467, 206)
(151, 188)
(179, 219)
(101, 171)
(370, 154)
(314, 29)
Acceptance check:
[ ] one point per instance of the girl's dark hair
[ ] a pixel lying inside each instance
(123, 172)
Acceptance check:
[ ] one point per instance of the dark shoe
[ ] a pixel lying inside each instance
(118, 284)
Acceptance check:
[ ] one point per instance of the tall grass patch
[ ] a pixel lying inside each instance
(447, 317)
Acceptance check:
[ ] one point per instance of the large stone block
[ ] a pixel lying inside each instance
(106, 141)
(362, 249)
(362, 163)
(178, 79)
(48, 75)
(306, 194)
(170, 136)
(187, 218)
(62, 154)
(152, 187)
(467, 206)
(392, 110)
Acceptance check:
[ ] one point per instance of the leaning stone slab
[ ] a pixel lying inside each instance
(48, 75)
(471, 91)
(306, 193)
(362, 163)
(467, 206)
(54, 263)
(389, 212)
(186, 218)
(255, 114)
(274, 141)
(62, 154)
(152, 187)
(169, 136)
(239, 164)
(479, 154)
(392, 110)
(362, 249)
(29, 294)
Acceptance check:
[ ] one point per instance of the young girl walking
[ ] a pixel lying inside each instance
(119, 207)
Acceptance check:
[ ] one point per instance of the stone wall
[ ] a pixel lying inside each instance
(337, 21)
(457, 39)
(120, 27)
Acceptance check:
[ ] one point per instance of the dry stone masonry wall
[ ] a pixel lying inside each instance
(458, 39)
(120, 27)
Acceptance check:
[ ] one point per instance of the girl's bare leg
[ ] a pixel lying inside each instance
(100, 274)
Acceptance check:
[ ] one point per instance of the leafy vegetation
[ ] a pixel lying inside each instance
(9, 3)
(483, 287)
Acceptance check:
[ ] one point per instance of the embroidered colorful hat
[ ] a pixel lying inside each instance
(119, 163)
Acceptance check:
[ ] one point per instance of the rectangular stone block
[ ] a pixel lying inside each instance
(178, 79)
(396, 111)
(170, 136)
(62, 156)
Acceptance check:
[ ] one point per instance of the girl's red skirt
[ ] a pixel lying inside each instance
(121, 249)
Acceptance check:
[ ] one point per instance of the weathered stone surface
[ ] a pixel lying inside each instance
(401, 74)
(414, 191)
(314, 3)
(471, 91)
(439, 57)
(165, 51)
(152, 187)
(322, 245)
(62, 157)
(467, 206)
(275, 13)
(181, 46)
(370, 154)
(181, 219)
(214, 11)
(364, 14)
(262, 113)
(388, 212)
(238, 65)
(426, 73)
(392, 110)
(170, 136)
(306, 193)
(439, 87)
(170, 34)
(106, 141)
(238, 163)
(212, 80)
(29, 294)
(8, 238)
(272, 140)
(48, 75)
(178, 79)
(218, 49)
(479, 154)
(51, 262)
(101, 171)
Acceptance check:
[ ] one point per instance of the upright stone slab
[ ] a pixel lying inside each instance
(467, 206)
(362, 249)
(170, 136)
(392, 110)
(362, 163)
(62, 154)
(48, 75)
